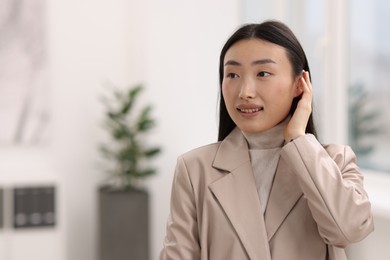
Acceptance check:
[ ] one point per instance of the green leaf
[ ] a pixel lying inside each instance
(133, 92)
(145, 125)
(146, 172)
(112, 115)
(121, 133)
(129, 99)
(144, 121)
(152, 152)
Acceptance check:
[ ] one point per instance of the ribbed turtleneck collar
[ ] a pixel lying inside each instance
(269, 139)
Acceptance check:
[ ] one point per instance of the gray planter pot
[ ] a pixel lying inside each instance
(123, 225)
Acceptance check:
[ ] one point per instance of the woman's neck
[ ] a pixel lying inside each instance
(271, 138)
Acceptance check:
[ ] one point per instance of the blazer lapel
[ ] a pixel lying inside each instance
(237, 195)
(284, 195)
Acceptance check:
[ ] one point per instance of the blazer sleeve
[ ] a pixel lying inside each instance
(333, 186)
(181, 241)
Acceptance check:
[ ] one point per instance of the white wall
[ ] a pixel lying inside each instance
(183, 42)
(171, 46)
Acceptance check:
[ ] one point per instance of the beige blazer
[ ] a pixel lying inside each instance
(317, 204)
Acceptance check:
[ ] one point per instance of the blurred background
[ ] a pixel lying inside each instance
(56, 56)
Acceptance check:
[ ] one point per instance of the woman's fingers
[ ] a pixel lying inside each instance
(299, 119)
(307, 96)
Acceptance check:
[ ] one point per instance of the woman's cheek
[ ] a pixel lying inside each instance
(226, 89)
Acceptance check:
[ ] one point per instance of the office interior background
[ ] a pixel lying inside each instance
(56, 56)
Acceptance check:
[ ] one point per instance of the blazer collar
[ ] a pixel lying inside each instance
(237, 195)
(232, 152)
(284, 195)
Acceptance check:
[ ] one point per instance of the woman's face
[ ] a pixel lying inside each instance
(258, 84)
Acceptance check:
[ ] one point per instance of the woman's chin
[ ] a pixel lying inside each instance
(252, 129)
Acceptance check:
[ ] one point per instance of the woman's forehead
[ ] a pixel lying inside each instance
(256, 51)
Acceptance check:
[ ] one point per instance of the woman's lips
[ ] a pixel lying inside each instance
(249, 109)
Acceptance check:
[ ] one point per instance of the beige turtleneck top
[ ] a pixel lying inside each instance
(264, 150)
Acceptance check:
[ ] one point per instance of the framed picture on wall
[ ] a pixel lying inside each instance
(24, 113)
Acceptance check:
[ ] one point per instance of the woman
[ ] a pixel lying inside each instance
(268, 189)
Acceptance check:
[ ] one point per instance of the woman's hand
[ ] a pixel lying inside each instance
(298, 122)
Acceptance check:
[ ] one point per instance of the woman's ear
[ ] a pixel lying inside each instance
(298, 88)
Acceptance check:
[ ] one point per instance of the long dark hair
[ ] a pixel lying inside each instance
(274, 32)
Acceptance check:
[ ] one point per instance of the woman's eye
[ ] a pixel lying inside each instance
(263, 74)
(232, 75)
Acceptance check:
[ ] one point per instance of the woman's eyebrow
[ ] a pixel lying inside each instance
(256, 62)
(263, 61)
(232, 63)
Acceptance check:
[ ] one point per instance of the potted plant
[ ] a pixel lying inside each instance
(123, 203)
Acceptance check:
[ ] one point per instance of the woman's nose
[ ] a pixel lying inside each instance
(248, 90)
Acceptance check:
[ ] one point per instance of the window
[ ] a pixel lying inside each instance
(369, 82)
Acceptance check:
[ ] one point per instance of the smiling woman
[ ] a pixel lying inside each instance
(268, 189)
(259, 85)
(284, 47)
